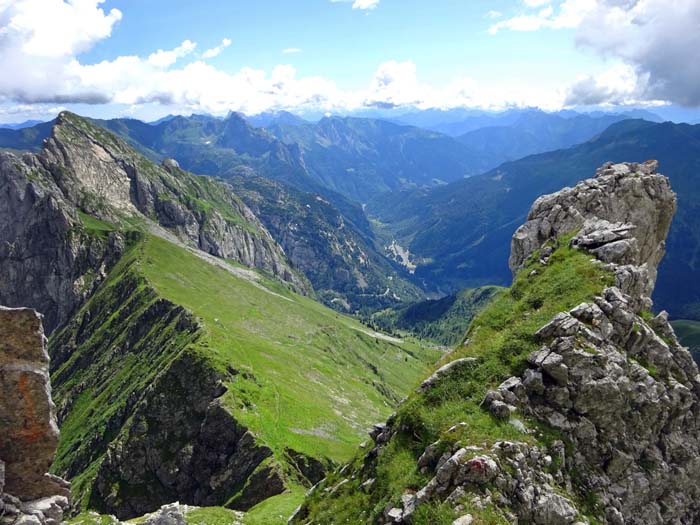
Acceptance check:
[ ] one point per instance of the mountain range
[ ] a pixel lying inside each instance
(458, 235)
(189, 359)
(194, 356)
(433, 230)
(458, 121)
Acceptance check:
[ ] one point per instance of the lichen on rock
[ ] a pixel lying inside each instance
(28, 430)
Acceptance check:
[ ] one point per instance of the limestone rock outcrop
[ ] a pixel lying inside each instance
(611, 378)
(608, 406)
(50, 259)
(636, 203)
(48, 262)
(106, 178)
(28, 430)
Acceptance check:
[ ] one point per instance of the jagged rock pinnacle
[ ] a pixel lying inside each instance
(630, 201)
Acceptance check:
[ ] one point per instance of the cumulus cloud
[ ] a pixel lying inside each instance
(216, 51)
(38, 41)
(29, 111)
(617, 86)
(655, 40)
(167, 58)
(396, 84)
(34, 75)
(658, 39)
(54, 28)
(568, 14)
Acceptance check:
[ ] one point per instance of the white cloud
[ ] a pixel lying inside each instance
(216, 51)
(29, 111)
(568, 15)
(291, 50)
(653, 51)
(657, 38)
(616, 86)
(53, 28)
(167, 58)
(493, 14)
(365, 4)
(396, 84)
(40, 38)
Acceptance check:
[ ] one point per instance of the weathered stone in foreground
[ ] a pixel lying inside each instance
(28, 430)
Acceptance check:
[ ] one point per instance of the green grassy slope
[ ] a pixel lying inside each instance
(501, 337)
(317, 380)
(299, 375)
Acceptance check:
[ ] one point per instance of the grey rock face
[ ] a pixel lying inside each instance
(52, 263)
(28, 430)
(629, 401)
(635, 204)
(102, 175)
(48, 262)
(609, 380)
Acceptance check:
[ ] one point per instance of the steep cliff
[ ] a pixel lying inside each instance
(49, 261)
(106, 178)
(55, 253)
(568, 401)
(28, 431)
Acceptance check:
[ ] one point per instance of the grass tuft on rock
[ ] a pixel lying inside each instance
(501, 338)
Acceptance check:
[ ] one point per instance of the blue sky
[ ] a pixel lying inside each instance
(445, 38)
(101, 57)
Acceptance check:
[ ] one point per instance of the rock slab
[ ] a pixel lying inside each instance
(28, 430)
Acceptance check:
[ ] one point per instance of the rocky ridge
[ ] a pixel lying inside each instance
(28, 494)
(610, 385)
(52, 261)
(106, 178)
(163, 432)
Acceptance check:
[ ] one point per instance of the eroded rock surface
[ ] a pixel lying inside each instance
(611, 379)
(51, 256)
(106, 178)
(28, 431)
(617, 394)
(625, 212)
(48, 261)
